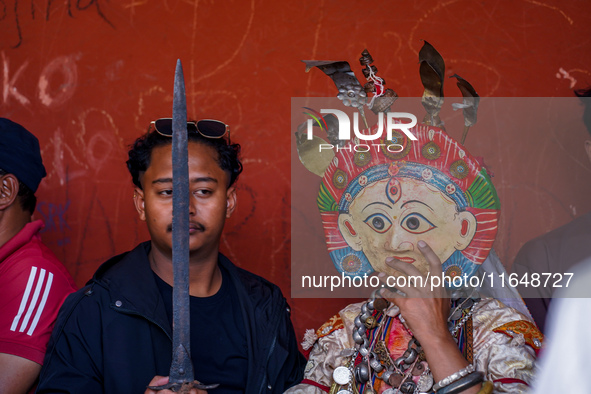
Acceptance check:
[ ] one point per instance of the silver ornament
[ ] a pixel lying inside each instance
(341, 375)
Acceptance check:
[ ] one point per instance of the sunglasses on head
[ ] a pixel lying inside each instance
(208, 128)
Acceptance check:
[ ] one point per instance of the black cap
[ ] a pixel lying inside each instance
(20, 154)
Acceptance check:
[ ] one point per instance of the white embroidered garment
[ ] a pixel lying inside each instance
(503, 347)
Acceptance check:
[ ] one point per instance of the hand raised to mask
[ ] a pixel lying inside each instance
(425, 308)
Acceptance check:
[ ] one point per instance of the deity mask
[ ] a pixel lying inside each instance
(380, 200)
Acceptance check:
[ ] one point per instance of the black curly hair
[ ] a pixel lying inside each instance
(140, 153)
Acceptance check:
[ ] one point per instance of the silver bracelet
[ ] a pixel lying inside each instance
(453, 377)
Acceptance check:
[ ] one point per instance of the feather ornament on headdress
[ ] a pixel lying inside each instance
(434, 158)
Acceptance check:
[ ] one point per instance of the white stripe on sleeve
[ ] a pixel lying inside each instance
(25, 298)
(34, 300)
(41, 305)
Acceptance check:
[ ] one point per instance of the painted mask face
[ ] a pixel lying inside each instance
(377, 204)
(390, 216)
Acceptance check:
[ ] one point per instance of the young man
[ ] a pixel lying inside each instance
(115, 334)
(33, 283)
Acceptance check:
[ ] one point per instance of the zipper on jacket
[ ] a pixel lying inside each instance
(266, 364)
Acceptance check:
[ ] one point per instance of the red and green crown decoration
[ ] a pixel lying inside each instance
(434, 158)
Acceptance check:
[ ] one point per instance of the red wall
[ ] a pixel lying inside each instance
(88, 76)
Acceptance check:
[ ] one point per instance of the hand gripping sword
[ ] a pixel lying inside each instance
(181, 377)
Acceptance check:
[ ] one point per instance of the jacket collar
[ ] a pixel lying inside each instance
(132, 287)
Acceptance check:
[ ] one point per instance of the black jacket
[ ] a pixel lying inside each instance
(113, 335)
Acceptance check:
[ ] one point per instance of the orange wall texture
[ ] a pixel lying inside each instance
(87, 77)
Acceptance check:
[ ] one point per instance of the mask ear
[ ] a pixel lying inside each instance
(349, 233)
(231, 201)
(138, 200)
(466, 231)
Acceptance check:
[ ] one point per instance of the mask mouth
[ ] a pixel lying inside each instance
(408, 260)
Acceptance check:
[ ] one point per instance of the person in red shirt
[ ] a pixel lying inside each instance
(33, 282)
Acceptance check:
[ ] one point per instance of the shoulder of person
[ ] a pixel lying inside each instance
(253, 283)
(556, 250)
(36, 255)
(337, 327)
(119, 265)
(81, 313)
(490, 316)
(95, 295)
(578, 227)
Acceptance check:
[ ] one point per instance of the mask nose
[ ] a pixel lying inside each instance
(397, 242)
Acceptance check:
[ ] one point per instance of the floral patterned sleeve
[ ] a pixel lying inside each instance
(505, 346)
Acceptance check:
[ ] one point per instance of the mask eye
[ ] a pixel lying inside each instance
(416, 223)
(378, 223)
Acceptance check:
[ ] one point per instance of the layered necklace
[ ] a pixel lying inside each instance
(370, 359)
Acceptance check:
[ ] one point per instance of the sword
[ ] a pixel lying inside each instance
(181, 376)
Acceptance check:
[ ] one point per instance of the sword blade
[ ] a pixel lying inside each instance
(181, 370)
(181, 376)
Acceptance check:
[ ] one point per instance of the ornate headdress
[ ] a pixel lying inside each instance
(433, 158)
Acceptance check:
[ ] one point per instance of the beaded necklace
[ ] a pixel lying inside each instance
(371, 360)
